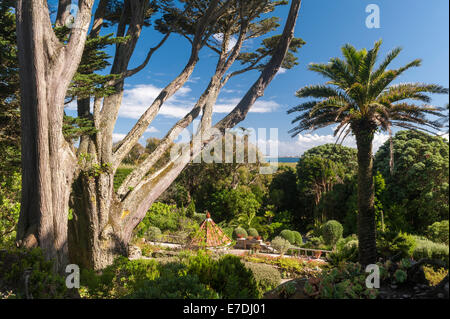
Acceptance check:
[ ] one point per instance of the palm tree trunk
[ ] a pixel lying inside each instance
(366, 196)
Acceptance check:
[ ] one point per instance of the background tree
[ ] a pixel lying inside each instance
(316, 177)
(10, 178)
(359, 98)
(417, 189)
(9, 92)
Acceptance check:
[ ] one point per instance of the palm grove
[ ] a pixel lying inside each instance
(74, 209)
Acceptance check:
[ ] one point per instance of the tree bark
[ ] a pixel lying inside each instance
(95, 232)
(48, 163)
(366, 198)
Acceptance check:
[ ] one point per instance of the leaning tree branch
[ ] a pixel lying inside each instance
(154, 185)
(139, 128)
(205, 103)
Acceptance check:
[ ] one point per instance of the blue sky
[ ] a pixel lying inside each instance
(419, 27)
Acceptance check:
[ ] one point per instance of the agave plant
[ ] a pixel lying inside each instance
(361, 99)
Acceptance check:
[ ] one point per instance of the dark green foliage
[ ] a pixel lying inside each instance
(119, 177)
(9, 93)
(28, 275)
(74, 127)
(267, 277)
(439, 232)
(344, 156)
(417, 192)
(346, 251)
(395, 244)
(283, 194)
(227, 276)
(288, 235)
(332, 231)
(316, 176)
(259, 59)
(229, 203)
(344, 282)
(169, 219)
(239, 232)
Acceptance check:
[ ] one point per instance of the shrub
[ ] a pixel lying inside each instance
(346, 251)
(194, 276)
(314, 242)
(433, 276)
(391, 243)
(344, 282)
(288, 235)
(266, 276)
(298, 238)
(253, 232)
(10, 187)
(174, 286)
(331, 232)
(281, 245)
(427, 249)
(153, 233)
(439, 232)
(239, 232)
(28, 275)
(227, 276)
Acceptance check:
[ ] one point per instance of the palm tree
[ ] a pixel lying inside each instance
(360, 99)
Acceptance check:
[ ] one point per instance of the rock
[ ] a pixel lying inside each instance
(394, 286)
(134, 252)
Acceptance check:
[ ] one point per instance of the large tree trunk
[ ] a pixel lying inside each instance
(366, 196)
(48, 162)
(95, 231)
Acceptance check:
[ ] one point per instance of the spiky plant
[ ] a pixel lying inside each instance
(360, 99)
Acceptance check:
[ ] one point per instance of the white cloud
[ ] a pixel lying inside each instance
(193, 79)
(117, 137)
(152, 129)
(304, 142)
(281, 71)
(260, 106)
(137, 99)
(231, 43)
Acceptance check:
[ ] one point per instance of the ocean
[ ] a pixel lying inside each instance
(282, 159)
